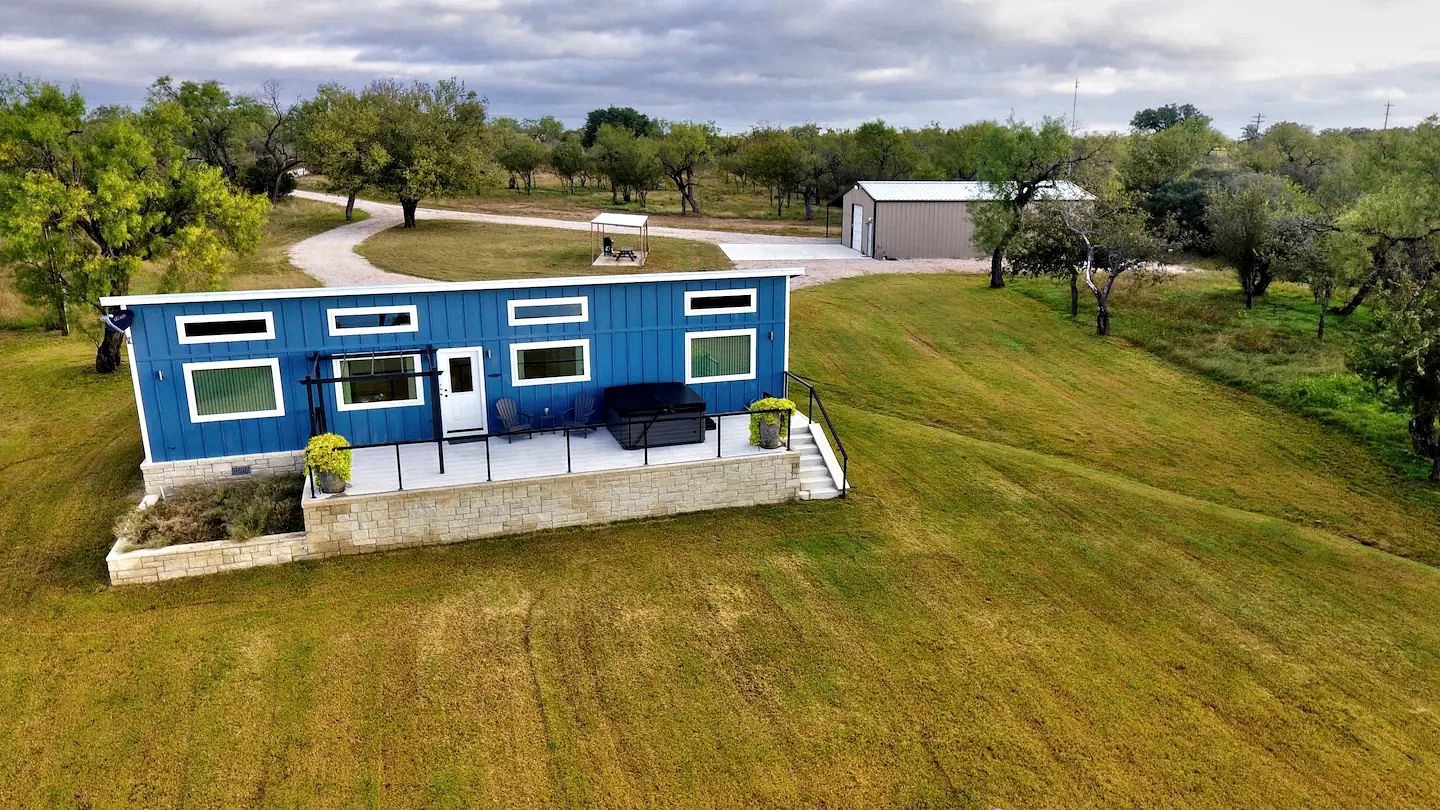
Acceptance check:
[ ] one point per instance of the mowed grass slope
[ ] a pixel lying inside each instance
(1020, 606)
(465, 251)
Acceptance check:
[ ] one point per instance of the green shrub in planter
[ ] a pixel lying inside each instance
(328, 457)
(777, 419)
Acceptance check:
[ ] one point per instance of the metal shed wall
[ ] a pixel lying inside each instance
(856, 196)
(925, 230)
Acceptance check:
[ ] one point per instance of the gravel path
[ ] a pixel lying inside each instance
(331, 257)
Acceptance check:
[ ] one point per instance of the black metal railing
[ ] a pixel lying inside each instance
(816, 401)
(567, 430)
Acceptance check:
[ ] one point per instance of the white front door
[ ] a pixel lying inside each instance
(462, 389)
(857, 227)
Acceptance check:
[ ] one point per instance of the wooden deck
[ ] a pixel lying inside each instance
(374, 470)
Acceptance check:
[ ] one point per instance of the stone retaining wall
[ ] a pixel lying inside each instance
(167, 475)
(359, 524)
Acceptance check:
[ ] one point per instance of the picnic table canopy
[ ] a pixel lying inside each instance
(602, 222)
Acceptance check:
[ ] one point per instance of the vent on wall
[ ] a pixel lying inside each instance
(240, 469)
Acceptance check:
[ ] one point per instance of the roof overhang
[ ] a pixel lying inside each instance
(622, 220)
(452, 286)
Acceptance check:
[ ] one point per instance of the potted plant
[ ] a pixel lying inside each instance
(327, 456)
(769, 421)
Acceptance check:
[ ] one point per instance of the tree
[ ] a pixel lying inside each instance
(626, 118)
(1402, 357)
(520, 154)
(1170, 154)
(1018, 162)
(338, 133)
(1242, 216)
(567, 160)
(274, 144)
(86, 200)
(1159, 119)
(882, 153)
(1115, 239)
(214, 125)
(1310, 248)
(776, 159)
(1046, 246)
(683, 148)
(433, 137)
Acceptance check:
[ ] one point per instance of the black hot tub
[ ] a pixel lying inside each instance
(674, 412)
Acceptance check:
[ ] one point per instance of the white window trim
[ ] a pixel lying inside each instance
(340, 405)
(273, 363)
(335, 330)
(691, 295)
(690, 338)
(516, 303)
(181, 321)
(516, 348)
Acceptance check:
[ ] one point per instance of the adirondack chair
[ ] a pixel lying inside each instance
(581, 415)
(510, 416)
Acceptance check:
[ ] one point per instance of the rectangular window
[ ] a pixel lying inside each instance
(540, 311)
(225, 327)
(233, 389)
(556, 361)
(371, 382)
(720, 356)
(373, 320)
(719, 302)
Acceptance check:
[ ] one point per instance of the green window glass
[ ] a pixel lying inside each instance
(720, 356)
(546, 362)
(360, 391)
(244, 389)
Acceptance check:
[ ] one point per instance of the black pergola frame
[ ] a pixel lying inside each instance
(315, 397)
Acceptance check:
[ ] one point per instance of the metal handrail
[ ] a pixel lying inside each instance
(829, 427)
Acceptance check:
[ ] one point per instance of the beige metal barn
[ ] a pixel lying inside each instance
(922, 219)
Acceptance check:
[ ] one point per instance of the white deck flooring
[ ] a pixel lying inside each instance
(373, 470)
(829, 251)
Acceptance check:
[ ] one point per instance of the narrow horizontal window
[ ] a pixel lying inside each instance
(239, 389)
(540, 311)
(378, 382)
(225, 327)
(558, 361)
(373, 320)
(719, 302)
(720, 356)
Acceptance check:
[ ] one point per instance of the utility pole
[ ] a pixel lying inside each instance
(1388, 105)
(1075, 102)
(1259, 119)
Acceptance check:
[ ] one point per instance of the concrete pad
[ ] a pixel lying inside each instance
(770, 252)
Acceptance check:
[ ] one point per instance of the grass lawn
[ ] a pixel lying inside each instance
(1199, 321)
(465, 251)
(1071, 575)
(291, 220)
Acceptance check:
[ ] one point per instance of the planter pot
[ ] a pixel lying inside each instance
(769, 435)
(329, 482)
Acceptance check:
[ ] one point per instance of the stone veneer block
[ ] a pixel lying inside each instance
(167, 475)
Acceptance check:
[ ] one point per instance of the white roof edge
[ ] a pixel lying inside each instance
(446, 286)
(625, 220)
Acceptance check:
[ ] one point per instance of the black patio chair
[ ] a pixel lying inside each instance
(581, 415)
(609, 244)
(510, 416)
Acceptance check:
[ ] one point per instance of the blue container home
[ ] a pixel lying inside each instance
(221, 375)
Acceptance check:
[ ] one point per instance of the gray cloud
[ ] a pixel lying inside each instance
(836, 62)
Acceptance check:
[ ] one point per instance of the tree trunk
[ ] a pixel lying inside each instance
(1425, 440)
(350, 207)
(1102, 316)
(1247, 283)
(1320, 327)
(690, 192)
(1360, 293)
(625, 194)
(1074, 294)
(614, 193)
(107, 354)
(997, 259)
(408, 207)
(779, 203)
(809, 206)
(1263, 277)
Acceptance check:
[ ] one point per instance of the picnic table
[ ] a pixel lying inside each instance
(626, 253)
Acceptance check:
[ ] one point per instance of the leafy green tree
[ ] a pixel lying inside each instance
(87, 200)
(1402, 357)
(1243, 216)
(567, 160)
(1170, 154)
(1019, 162)
(881, 152)
(1310, 248)
(433, 135)
(338, 133)
(628, 161)
(1116, 242)
(215, 126)
(776, 159)
(520, 154)
(626, 118)
(1045, 247)
(682, 149)
(1159, 119)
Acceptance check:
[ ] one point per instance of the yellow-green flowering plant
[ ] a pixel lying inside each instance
(778, 407)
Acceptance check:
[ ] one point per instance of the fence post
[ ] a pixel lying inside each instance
(400, 475)
(719, 445)
(787, 429)
(568, 467)
(645, 437)
(487, 460)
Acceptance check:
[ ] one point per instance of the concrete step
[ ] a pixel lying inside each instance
(819, 494)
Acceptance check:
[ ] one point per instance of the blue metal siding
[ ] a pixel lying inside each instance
(637, 333)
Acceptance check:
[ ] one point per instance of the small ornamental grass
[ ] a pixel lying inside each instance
(329, 452)
(234, 511)
(769, 404)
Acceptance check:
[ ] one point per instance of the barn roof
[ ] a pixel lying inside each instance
(958, 191)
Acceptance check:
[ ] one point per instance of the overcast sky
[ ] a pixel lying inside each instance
(738, 63)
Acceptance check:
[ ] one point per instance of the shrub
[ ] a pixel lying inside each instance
(329, 452)
(769, 404)
(199, 514)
